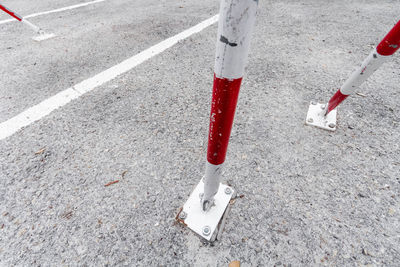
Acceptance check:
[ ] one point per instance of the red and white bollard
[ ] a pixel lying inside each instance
(208, 203)
(41, 34)
(324, 115)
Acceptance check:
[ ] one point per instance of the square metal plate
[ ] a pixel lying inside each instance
(197, 219)
(315, 117)
(45, 36)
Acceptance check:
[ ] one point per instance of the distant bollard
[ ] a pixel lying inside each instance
(324, 115)
(41, 34)
(208, 203)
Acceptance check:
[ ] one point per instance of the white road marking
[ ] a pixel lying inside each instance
(54, 11)
(45, 107)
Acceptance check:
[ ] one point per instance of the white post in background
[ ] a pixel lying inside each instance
(324, 115)
(41, 34)
(208, 202)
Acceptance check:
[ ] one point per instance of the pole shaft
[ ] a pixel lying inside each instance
(11, 13)
(21, 19)
(387, 47)
(236, 21)
(32, 26)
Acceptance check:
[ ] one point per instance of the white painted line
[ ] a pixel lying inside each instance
(44, 108)
(54, 11)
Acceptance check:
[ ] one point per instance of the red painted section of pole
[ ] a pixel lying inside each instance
(9, 12)
(223, 106)
(389, 45)
(336, 99)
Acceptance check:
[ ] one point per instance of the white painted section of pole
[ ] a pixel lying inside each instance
(212, 180)
(237, 18)
(41, 35)
(30, 25)
(367, 68)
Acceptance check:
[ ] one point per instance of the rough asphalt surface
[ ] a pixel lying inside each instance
(311, 197)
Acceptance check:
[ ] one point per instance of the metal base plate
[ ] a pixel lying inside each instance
(41, 37)
(315, 117)
(204, 223)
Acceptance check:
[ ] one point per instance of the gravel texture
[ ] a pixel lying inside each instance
(311, 197)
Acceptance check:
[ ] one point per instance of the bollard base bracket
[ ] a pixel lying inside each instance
(43, 36)
(206, 224)
(315, 117)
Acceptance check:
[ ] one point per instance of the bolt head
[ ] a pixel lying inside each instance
(206, 230)
(313, 103)
(332, 125)
(182, 215)
(310, 120)
(228, 191)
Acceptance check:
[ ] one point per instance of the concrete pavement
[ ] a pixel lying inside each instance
(310, 197)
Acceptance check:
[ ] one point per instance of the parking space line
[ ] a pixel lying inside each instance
(54, 10)
(35, 113)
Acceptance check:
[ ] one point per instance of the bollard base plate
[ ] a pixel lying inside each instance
(206, 224)
(315, 117)
(43, 36)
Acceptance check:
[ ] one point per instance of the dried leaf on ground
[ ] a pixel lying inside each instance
(110, 183)
(360, 94)
(40, 151)
(234, 264)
